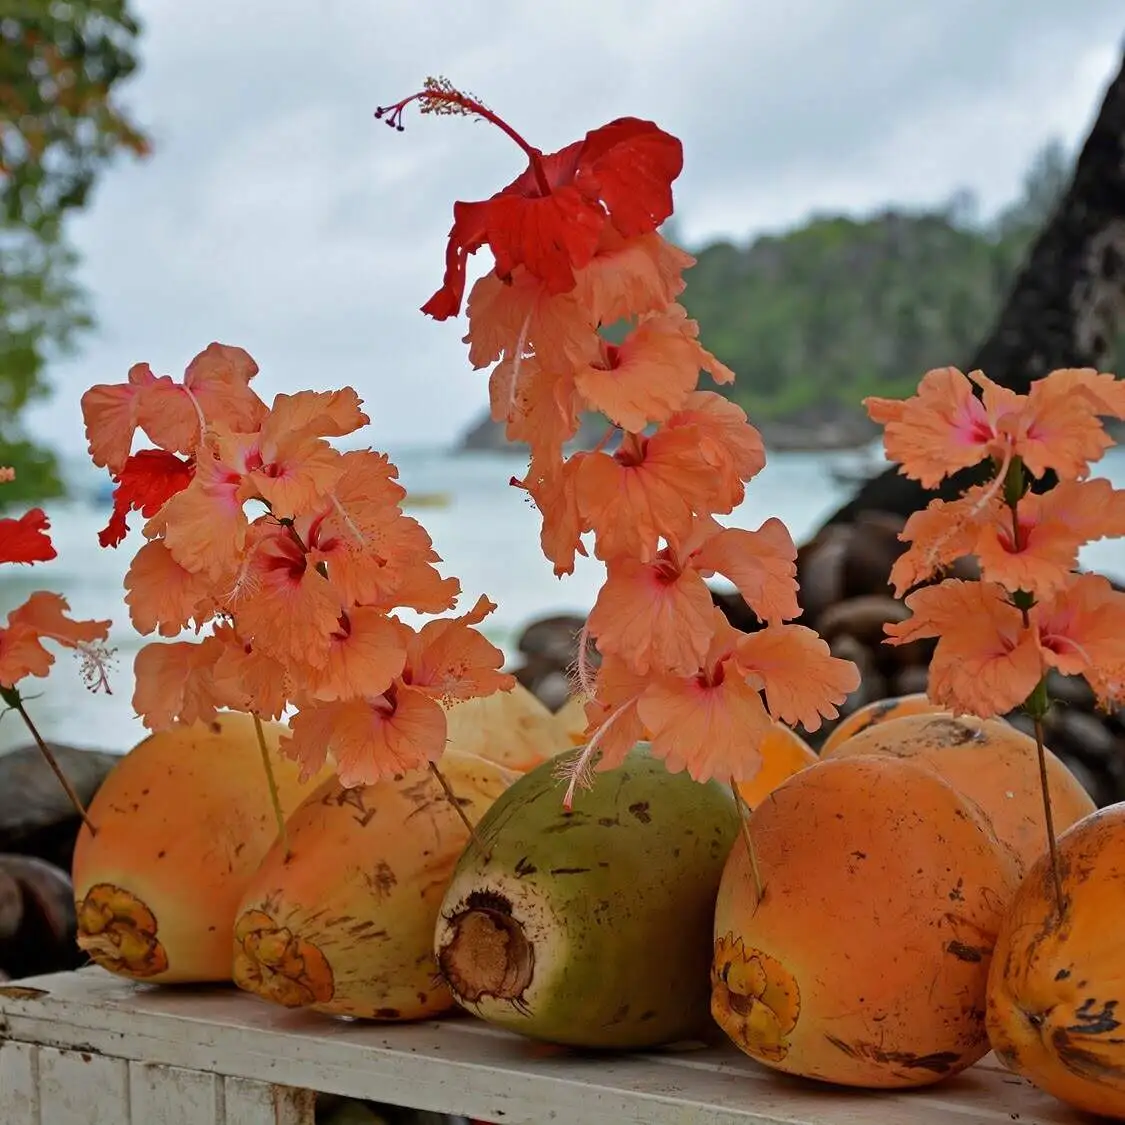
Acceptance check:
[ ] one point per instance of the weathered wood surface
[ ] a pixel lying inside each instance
(138, 1042)
(48, 1086)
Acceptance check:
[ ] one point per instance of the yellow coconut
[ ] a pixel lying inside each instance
(512, 728)
(570, 718)
(183, 820)
(784, 752)
(345, 924)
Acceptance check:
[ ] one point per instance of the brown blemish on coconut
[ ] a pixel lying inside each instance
(754, 999)
(118, 931)
(487, 953)
(964, 952)
(947, 732)
(273, 962)
(1085, 1062)
(937, 1062)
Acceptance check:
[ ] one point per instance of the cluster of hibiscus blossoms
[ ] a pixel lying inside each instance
(1030, 611)
(295, 554)
(576, 251)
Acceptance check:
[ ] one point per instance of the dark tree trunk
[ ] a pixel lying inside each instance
(1065, 306)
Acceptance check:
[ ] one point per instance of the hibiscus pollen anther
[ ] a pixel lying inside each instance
(440, 96)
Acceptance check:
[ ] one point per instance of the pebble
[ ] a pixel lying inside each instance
(37, 921)
(36, 816)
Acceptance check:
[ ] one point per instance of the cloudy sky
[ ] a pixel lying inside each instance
(277, 214)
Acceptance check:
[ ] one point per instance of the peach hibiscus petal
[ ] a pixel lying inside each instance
(762, 565)
(162, 596)
(368, 739)
(711, 726)
(367, 652)
(802, 681)
(986, 661)
(173, 683)
(110, 412)
(656, 617)
(942, 428)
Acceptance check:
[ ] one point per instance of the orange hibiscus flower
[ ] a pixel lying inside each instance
(45, 617)
(649, 376)
(1033, 549)
(175, 416)
(403, 726)
(660, 615)
(550, 218)
(945, 427)
(991, 655)
(25, 540)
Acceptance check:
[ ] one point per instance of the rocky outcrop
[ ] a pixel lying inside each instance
(1066, 308)
(487, 436)
(824, 428)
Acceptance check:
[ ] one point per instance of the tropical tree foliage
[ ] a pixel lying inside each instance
(61, 63)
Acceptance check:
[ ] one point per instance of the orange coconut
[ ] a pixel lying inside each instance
(865, 960)
(879, 711)
(990, 762)
(346, 924)
(183, 820)
(512, 728)
(1056, 990)
(784, 752)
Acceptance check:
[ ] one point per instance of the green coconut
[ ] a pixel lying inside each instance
(591, 928)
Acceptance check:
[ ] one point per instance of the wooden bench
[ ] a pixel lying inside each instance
(87, 1048)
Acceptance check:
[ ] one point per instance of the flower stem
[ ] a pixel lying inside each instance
(1048, 816)
(744, 820)
(13, 699)
(275, 800)
(451, 797)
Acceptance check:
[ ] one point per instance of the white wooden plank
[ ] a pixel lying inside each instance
(82, 1088)
(19, 1084)
(259, 1103)
(463, 1066)
(171, 1095)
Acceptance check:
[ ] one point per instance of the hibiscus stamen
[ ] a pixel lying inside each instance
(934, 548)
(348, 522)
(517, 362)
(604, 441)
(1055, 641)
(440, 96)
(245, 583)
(198, 410)
(578, 769)
(583, 673)
(95, 660)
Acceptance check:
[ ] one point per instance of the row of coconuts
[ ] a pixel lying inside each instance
(884, 914)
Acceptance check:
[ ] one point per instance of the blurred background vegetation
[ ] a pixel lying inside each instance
(60, 62)
(815, 318)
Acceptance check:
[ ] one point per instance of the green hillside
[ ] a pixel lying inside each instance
(813, 319)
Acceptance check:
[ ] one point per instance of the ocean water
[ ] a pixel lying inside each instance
(486, 532)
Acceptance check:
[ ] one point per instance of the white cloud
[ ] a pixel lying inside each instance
(279, 215)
